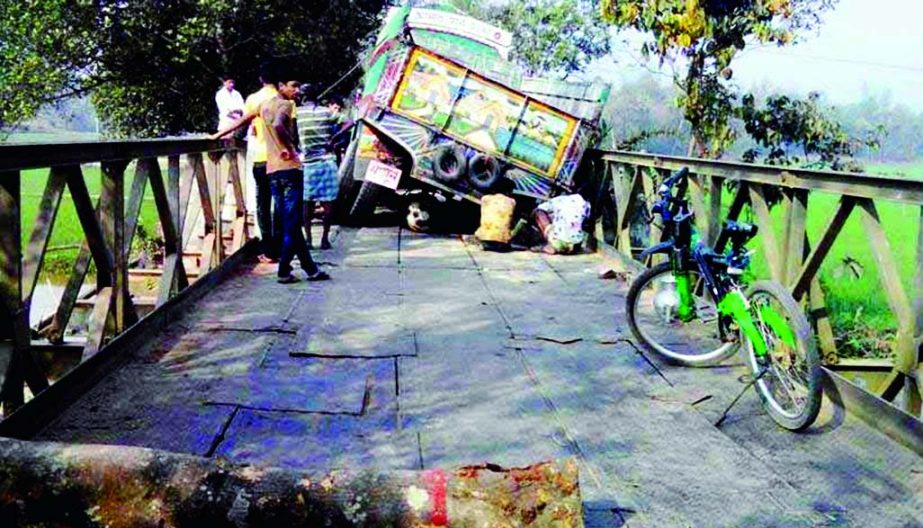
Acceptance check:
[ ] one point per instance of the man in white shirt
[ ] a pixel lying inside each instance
(230, 103)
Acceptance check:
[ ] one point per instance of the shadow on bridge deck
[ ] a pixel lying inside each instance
(424, 351)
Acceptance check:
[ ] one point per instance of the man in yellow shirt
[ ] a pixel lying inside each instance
(268, 220)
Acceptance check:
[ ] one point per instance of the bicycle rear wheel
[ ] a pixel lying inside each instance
(652, 304)
(791, 385)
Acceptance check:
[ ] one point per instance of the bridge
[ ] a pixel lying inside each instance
(425, 358)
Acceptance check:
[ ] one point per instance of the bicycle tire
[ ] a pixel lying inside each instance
(799, 416)
(674, 353)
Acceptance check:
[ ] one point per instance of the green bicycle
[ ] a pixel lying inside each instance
(694, 310)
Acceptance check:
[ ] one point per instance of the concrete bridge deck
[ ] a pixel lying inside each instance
(425, 351)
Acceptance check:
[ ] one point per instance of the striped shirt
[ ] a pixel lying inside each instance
(316, 124)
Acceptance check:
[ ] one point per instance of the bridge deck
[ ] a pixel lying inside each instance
(424, 351)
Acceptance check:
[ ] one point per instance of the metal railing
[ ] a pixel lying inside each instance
(198, 231)
(793, 255)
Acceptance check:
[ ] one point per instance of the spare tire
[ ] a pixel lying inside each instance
(483, 172)
(449, 163)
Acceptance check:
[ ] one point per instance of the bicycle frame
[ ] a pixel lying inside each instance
(730, 300)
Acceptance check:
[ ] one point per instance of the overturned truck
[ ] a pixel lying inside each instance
(444, 116)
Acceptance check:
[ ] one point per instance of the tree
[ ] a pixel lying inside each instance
(705, 36)
(792, 131)
(549, 37)
(153, 65)
(553, 36)
(46, 53)
(643, 116)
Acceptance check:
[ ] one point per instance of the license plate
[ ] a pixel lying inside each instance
(383, 174)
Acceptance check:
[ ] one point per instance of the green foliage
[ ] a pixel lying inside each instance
(549, 37)
(67, 234)
(897, 127)
(46, 50)
(863, 323)
(154, 66)
(553, 36)
(793, 131)
(706, 35)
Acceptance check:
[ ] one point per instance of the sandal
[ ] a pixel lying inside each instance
(319, 276)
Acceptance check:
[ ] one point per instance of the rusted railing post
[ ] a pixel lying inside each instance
(917, 293)
(47, 484)
(17, 363)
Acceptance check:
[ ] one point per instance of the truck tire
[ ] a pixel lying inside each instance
(449, 163)
(483, 172)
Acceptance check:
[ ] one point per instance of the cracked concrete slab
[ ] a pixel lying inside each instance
(318, 441)
(473, 361)
(308, 385)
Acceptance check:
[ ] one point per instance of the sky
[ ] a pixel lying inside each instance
(863, 46)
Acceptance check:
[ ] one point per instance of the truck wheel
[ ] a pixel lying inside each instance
(483, 172)
(418, 217)
(449, 164)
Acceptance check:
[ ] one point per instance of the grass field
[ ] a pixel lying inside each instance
(67, 231)
(48, 137)
(855, 299)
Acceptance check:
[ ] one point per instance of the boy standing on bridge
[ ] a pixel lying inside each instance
(283, 167)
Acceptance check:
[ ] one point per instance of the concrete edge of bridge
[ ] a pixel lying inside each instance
(132, 486)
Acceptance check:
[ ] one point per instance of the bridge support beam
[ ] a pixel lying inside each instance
(49, 483)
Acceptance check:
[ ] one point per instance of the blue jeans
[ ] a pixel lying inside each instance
(287, 192)
(269, 219)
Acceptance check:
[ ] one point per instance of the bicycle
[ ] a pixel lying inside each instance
(693, 310)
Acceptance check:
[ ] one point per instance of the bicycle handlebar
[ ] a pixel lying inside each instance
(673, 179)
(667, 198)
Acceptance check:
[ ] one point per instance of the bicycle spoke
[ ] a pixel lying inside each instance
(790, 390)
(657, 321)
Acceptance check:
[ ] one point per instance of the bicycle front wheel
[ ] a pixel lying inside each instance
(652, 309)
(789, 373)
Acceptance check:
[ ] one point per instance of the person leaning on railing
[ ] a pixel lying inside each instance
(269, 221)
(283, 167)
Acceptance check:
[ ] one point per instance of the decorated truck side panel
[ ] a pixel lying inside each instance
(429, 119)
